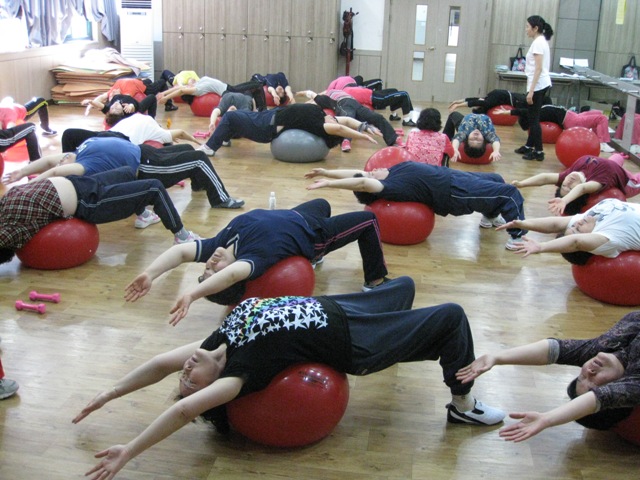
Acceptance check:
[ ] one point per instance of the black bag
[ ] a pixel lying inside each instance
(518, 62)
(630, 70)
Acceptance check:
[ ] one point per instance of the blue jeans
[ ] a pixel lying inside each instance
(385, 330)
(116, 194)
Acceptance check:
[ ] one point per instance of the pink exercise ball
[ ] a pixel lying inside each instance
(301, 405)
(291, 276)
(504, 120)
(387, 157)
(203, 105)
(64, 243)
(610, 280)
(403, 223)
(550, 132)
(576, 142)
(482, 160)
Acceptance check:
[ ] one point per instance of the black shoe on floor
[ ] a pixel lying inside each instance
(394, 118)
(409, 123)
(523, 149)
(170, 107)
(533, 155)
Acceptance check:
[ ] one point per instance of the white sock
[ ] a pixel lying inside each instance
(463, 402)
(182, 234)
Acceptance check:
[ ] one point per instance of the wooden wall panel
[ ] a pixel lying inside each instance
(616, 43)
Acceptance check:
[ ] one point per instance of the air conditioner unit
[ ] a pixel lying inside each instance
(136, 32)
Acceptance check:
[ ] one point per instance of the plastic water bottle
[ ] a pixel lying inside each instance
(272, 201)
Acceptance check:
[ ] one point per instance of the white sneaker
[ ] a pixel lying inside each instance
(604, 147)
(346, 145)
(8, 388)
(486, 222)
(192, 237)
(481, 414)
(144, 222)
(317, 262)
(206, 150)
(514, 243)
(227, 143)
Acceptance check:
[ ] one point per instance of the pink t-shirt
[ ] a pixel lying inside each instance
(428, 147)
(341, 82)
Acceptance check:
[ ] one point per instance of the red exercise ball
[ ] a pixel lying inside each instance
(610, 280)
(550, 132)
(505, 120)
(301, 405)
(387, 157)
(576, 142)
(482, 160)
(203, 105)
(269, 98)
(597, 197)
(291, 276)
(629, 428)
(62, 244)
(403, 223)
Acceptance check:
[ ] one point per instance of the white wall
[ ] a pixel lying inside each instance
(367, 25)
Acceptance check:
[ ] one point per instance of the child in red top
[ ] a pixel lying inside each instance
(426, 143)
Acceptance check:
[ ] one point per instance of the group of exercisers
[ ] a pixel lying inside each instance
(104, 176)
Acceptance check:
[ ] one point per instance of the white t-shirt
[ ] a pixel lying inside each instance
(539, 46)
(619, 222)
(140, 128)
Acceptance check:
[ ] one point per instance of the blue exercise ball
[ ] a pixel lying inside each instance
(298, 146)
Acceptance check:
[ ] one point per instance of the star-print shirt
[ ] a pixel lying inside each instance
(266, 335)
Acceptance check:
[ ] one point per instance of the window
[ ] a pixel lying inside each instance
(420, 37)
(81, 29)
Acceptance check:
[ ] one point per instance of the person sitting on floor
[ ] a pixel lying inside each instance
(427, 144)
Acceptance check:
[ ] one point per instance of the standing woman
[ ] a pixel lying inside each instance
(538, 83)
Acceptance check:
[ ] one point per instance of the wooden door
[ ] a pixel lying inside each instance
(435, 50)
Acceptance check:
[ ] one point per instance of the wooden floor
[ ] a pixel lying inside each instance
(395, 426)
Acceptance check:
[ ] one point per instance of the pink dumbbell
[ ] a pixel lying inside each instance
(53, 297)
(40, 307)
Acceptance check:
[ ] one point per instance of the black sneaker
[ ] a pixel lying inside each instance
(394, 118)
(410, 123)
(522, 150)
(170, 107)
(230, 203)
(367, 287)
(48, 133)
(533, 155)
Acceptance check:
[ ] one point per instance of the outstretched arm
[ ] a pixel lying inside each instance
(168, 260)
(537, 180)
(542, 225)
(142, 376)
(175, 417)
(536, 353)
(180, 134)
(495, 155)
(290, 95)
(98, 102)
(532, 423)
(557, 205)
(215, 114)
(37, 166)
(578, 242)
(355, 184)
(342, 130)
(336, 173)
(230, 275)
(62, 171)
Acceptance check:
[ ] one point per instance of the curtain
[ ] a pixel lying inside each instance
(49, 21)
